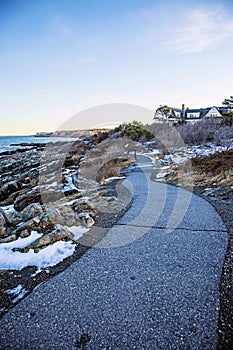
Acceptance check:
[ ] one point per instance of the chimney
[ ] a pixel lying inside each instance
(183, 112)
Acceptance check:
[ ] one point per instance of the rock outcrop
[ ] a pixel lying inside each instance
(46, 193)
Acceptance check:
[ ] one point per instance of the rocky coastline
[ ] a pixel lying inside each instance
(42, 193)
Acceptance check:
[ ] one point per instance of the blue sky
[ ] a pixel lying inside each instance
(61, 57)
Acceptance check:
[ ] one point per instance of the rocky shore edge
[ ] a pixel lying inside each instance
(29, 278)
(42, 191)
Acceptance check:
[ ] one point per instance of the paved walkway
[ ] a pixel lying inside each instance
(151, 283)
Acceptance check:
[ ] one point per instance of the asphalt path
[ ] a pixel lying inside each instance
(151, 283)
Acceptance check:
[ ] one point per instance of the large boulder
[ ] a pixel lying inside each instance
(31, 211)
(63, 215)
(45, 222)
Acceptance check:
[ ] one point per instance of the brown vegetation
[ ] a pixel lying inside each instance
(215, 163)
(113, 167)
(214, 170)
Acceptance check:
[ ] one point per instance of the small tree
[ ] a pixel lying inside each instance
(163, 111)
(228, 116)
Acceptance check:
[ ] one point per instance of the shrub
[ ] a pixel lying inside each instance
(105, 159)
(205, 130)
(134, 131)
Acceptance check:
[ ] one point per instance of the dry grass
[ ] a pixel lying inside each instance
(215, 170)
(113, 167)
(214, 164)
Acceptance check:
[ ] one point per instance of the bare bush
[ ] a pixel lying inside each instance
(106, 159)
(205, 130)
(166, 136)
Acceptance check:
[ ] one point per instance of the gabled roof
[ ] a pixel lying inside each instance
(200, 112)
(222, 109)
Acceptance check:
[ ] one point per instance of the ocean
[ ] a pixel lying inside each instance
(7, 141)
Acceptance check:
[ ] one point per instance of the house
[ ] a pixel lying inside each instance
(192, 115)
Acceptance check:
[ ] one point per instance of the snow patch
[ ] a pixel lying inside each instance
(53, 184)
(9, 209)
(162, 175)
(110, 179)
(18, 291)
(183, 154)
(39, 270)
(69, 182)
(77, 231)
(49, 256)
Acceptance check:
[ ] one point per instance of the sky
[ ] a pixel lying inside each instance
(60, 58)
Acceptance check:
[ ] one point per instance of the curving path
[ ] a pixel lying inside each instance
(151, 283)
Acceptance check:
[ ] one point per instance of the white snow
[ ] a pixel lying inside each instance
(109, 179)
(39, 270)
(205, 150)
(77, 231)
(181, 155)
(179, 158)
(70, 185)
(53, 184)
(20, 224)
(161, 175)
(18, 291)
(49, 256)
(9, 209)
(164, 167)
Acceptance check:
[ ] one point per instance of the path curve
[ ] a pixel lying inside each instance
(156, 290)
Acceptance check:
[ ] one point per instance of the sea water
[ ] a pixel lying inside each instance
(6, 142)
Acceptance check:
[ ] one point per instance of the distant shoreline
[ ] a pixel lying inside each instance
(68, 133)
(60, 133)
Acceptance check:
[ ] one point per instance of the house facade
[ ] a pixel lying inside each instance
(192, 115)
(189, 114)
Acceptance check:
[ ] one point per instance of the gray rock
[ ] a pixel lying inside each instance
(2, 225)
(8, 239)
(63, 215)
(24, 200)
(87, 220)
(8, 189)
(81, 205)
(25, 233)
(60, 233)
(30, 212)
